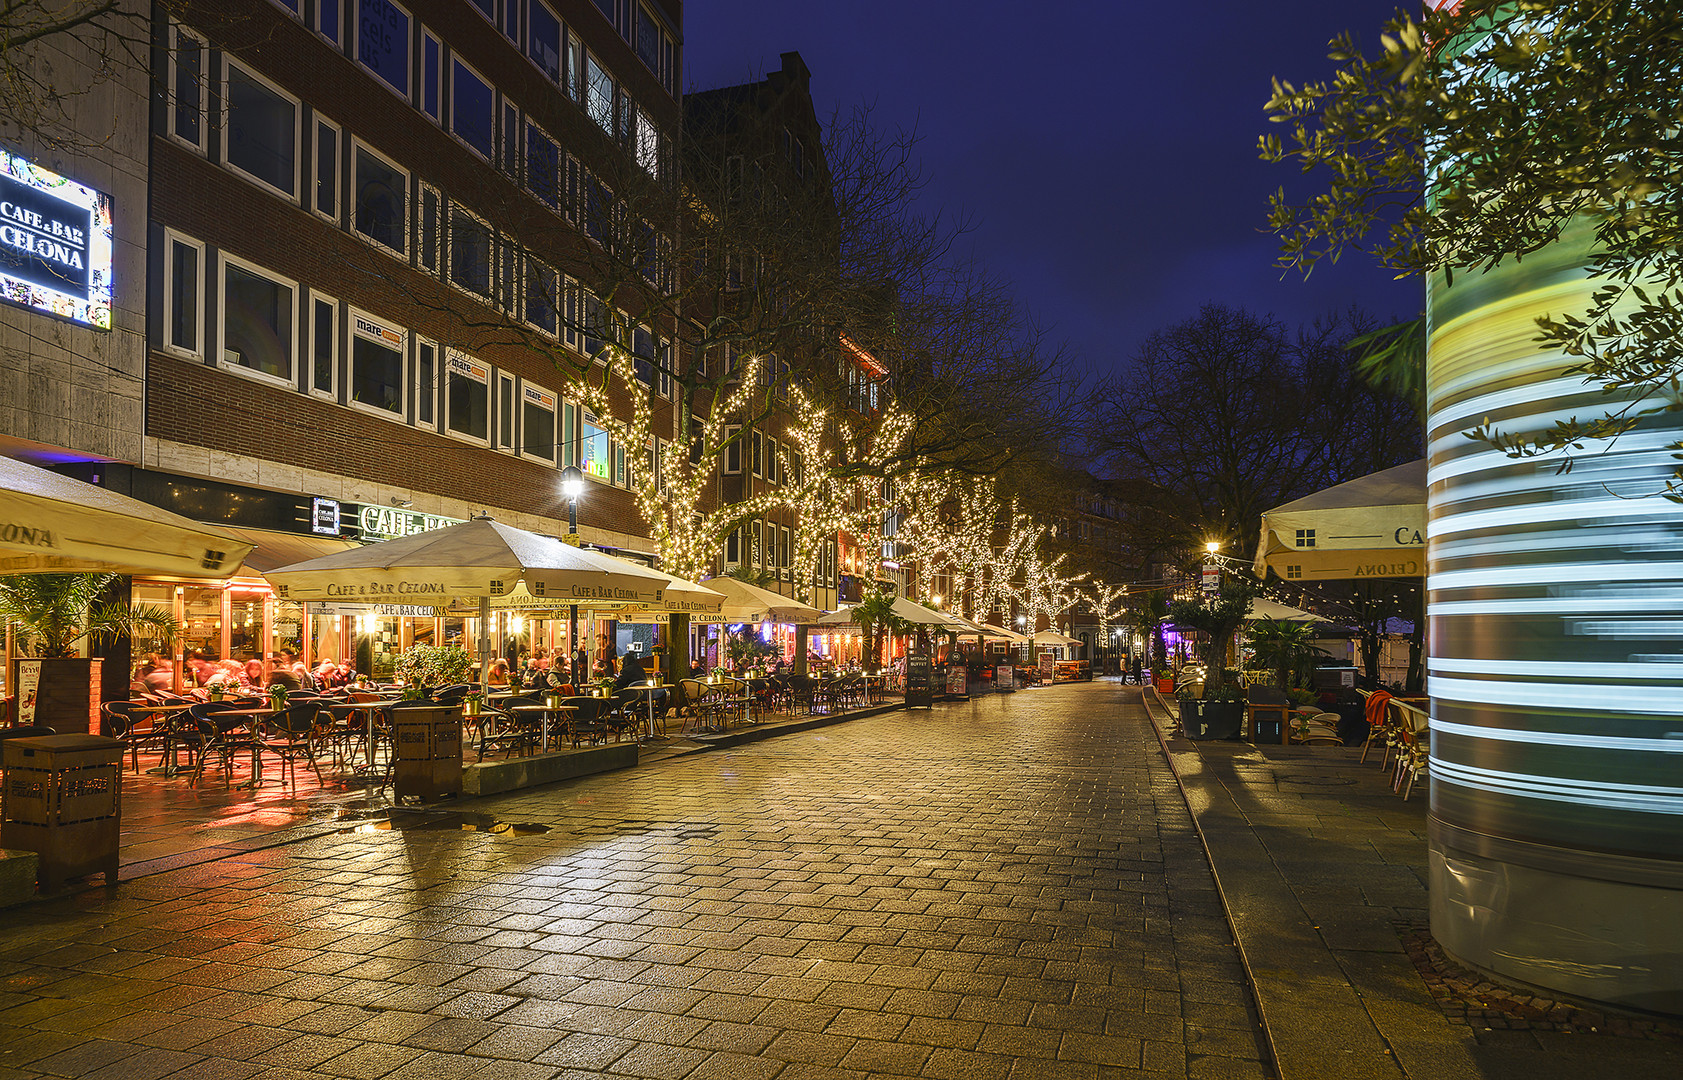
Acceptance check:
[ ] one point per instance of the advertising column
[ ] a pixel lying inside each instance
(1554, 668)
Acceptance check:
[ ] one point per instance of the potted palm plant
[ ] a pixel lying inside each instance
(49, 614)
(1221, 709)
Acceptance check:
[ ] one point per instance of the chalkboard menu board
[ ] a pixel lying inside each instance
(920, 682)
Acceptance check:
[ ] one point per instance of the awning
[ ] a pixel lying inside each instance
(1263, 608)
(51, 523)
(1370, 527)
(745, 603)
(271, 549)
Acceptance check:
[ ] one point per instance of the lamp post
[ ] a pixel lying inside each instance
(572, 486)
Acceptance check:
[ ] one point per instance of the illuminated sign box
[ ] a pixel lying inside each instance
(55, 243)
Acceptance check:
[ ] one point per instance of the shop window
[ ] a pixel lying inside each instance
(382, 191)
(187, 89)
(537, 424)
(505, 412)
(201, 622)
(184, 291)
(471, 252)
(598, 94)
(257, 321)
(473, 110)
(426, 383)
(382, 43)
(327, 20)
(327, 169)
(467, 398)
(543, 38)
(261, 132)
(432, 76)
(543, 163)
(377, 366)
(324, 345)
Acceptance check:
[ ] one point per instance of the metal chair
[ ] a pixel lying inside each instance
(289, 737)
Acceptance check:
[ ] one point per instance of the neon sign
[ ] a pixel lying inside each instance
(55, 243)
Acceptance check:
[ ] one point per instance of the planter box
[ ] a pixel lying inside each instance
(1166, 685)
(1211, 719)
(67, 695)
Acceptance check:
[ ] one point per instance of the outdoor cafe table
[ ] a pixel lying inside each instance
(248, 718)
(167, 710)
(342, 710)
(546, 711)
(647, 689)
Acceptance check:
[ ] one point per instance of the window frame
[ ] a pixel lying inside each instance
(506, 441)
(224, 259)
(337, 32)
(293, 196)
(528, 389)
(407, 92)
(489, 296)
(490, 156)
(440, 229)
(419, 389)
(318, 122)
(197, 351)
(731, 451)
(451, 358)
(332, 392)
(357, 148)
(171, 102)
(405, 377)
(435, 82)
(532, 267)
(560, 76)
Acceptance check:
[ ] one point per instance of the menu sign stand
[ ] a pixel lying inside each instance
(920, 682)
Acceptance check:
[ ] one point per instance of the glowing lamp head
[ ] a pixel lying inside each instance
(1213, 546)
(572, 482)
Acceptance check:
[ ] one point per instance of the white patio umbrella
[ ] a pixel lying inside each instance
(52, 524)
(1052, 637)
(1262, 608)
(1373, 526)
(1009, 636)
(745, 603)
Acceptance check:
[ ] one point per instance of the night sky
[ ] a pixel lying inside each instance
(1107, 149)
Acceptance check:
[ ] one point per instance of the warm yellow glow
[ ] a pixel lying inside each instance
(1213, 546)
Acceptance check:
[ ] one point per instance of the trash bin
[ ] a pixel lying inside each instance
(61, 797)
(428, 738)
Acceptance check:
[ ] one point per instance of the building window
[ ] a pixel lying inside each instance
(327, 169)
(543, 38)
(257, 322)
(187, 91)
(327, 20)
(382, 42)
(471, 252)
(430, 228)
(467, 398)
(511, 139)
(473, 110)
(505, 412)
(569, 435)
(733, 450)
(757, 446)
(184, 291)
(595, 450)
(595, 328)
(573, 77)
(382, 191)
(487, 8)
(795, 467)
(570, 314)
(598, 94)
(598, 210)
(426, 383)
(543, 167)
(541, 285)
(262, 131)
(537, 424)
(648, 144)
(377, 354)
(324, 345)
(432, 78)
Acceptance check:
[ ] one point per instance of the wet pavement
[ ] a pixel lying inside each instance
(1011, 887)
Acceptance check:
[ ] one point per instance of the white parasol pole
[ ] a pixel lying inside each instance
(485, 644)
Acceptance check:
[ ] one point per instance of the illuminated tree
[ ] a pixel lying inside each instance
(1526, 119)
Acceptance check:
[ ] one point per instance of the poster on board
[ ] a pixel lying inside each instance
(1048, 667)
(29, 686)
(958, 681)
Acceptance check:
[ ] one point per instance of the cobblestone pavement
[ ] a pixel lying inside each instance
(1005, 888)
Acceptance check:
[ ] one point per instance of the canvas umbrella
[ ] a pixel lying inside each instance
(1373, 526)
(1010, 636)
(1052, 637)
(745, 603)
(56, 524)
(1268, 609)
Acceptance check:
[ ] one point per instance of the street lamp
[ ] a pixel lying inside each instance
(572, 486)
(1213, 546)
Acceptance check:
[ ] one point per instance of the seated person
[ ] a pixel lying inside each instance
(498, 675)
(632, 673)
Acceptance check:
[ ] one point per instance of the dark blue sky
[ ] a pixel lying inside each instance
(1107, 150)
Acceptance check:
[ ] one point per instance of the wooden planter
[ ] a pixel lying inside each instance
(67, 697)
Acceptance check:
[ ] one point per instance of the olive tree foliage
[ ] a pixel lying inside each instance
(1229, 414)
(1474, 134)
